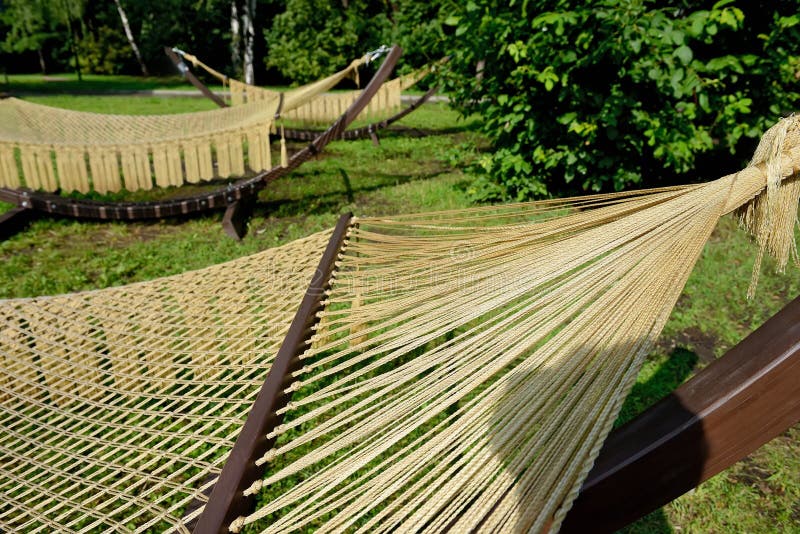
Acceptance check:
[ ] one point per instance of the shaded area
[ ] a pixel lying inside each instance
(724, 413)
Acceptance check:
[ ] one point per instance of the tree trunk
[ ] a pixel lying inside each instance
(72, 41)
(249, 39)
(129, 34)
(236, 38)
(41, 62)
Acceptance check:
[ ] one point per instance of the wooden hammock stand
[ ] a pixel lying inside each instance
(725, 412)
(369, 131)
(236, 198)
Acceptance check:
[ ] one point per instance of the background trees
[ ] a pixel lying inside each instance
(602, 96)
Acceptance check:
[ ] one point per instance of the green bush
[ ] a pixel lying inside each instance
(104, 52)
(617, 93)
(314, 38)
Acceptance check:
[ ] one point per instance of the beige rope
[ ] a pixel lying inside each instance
(469, 370)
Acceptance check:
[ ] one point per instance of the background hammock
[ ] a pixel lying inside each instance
(50, 149)
(324, 106)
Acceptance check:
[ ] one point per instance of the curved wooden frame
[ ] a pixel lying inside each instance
(294, 134)
(242, 190)
(727, 411)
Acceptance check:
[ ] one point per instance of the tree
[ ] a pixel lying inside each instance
(601, 96)
(243, 35)
(30, 25)
(129, 34)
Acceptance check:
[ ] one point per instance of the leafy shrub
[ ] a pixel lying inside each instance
(104, 52)
(614, 93)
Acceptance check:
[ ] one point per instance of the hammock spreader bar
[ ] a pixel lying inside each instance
(227, 501)
(218, 199)
(725, 412)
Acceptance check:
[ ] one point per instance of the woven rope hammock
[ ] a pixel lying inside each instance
(46, 148)
(462, 372)
(323, 107)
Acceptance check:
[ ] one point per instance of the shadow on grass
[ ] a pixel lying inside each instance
(312, 203)
(669, 376)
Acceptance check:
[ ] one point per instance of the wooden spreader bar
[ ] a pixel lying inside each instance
(727, 411)
(227, 501)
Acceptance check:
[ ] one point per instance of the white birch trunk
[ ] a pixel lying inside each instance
(236, 38)
(129, 34)
(249, 39)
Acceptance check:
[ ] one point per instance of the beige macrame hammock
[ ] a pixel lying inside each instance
(466, 370)
(324, 107)
(46, 148)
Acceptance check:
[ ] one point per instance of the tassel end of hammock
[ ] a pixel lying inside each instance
(771, 216)
(284, 152)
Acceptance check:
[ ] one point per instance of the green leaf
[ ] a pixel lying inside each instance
(684, 53)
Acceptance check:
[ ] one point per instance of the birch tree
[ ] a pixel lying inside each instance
(129, 34)
(243, 33)
(249, 39)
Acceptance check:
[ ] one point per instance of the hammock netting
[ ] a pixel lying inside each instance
(116, 405)
(465, 371)
(50, 149)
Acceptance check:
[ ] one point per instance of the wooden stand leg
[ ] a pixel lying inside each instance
(15, 221)
(234, 222)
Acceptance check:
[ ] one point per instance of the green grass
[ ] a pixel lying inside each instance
(404, 174)
(66, 83)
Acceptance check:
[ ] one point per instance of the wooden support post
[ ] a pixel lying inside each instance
(374, 136)
(227, 501)
(238, 213)
(189, 75)
(727, 411)
(14, 221)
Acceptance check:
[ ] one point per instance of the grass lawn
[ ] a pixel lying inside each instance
(419, 173)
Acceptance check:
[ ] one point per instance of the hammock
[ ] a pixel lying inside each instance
(460, 371)
(228, 196)
(79, 151)
(324, 106)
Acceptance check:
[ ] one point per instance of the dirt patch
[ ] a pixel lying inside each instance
(701, 343)
(751, 473)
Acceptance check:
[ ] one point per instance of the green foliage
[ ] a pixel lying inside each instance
(29, 23)
(104, 52)
(314, 38)
(606, 95)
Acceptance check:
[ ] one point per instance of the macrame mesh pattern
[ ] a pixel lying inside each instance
(468, 365)
(118, 407)
(47, 148)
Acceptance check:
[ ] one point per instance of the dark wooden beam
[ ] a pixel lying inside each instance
(14, 221)
(183, 68)
(227, 501)
(727, 411)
